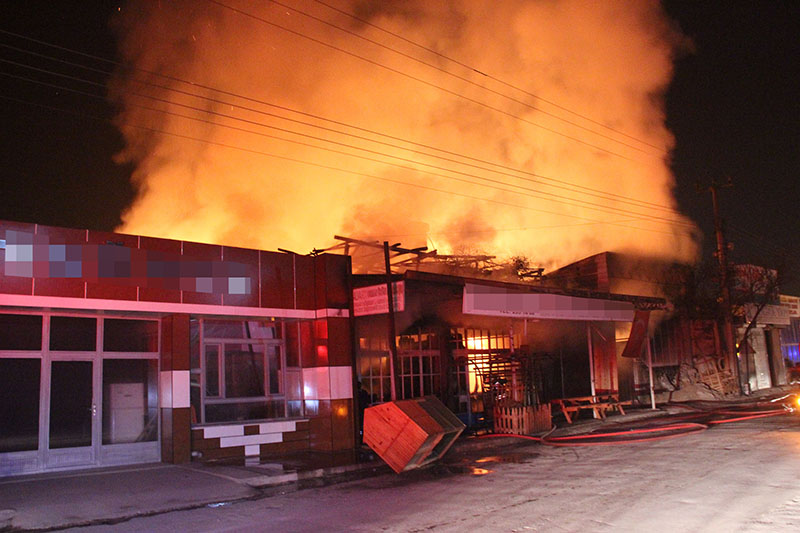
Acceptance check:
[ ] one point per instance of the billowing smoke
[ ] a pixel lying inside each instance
(269, 125)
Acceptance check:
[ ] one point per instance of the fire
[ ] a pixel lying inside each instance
(552, 145)
(476, 369)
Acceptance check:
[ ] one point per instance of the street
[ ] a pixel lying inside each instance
(741, 476)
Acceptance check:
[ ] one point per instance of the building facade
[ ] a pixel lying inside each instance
(118, 349)
(473, 341)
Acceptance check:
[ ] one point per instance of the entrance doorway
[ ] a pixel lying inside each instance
(77, 391)
(71, 421)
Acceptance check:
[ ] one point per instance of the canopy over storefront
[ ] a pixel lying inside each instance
(503, 301)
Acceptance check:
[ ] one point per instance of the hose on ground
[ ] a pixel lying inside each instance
(681, 427)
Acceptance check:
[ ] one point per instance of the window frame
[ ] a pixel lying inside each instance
(278, 343)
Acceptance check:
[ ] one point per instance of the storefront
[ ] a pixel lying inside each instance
(120, 349)
(472, 341)
(78, 390)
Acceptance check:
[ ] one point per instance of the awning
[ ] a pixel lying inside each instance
(500, 301)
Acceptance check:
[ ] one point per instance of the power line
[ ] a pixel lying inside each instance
(417, 79)
(464, 79)
(342, 170)
(563, 184)
(485, 74)
(531, 192)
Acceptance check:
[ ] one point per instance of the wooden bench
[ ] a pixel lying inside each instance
(599, 404)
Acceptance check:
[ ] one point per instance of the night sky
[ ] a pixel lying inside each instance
(734, 107)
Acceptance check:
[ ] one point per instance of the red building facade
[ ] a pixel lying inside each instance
(119, 349)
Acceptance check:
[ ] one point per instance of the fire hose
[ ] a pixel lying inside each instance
(678, 426)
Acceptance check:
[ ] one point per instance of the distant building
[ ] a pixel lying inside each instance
(693, 337)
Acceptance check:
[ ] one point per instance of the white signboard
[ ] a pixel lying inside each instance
(792, 303)
(775, 315)
(500, 301)
(372, 300)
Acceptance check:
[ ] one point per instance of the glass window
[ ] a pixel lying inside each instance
(293, 344)
(70, 404)
(212, 370)
(224, 412)
(130, 400)
(242, 367)
(128, 335)
(244, 370)
(19, 404)
(224, 329)
(239, 329)
(75, 334)
(274, 369)
(27, 332)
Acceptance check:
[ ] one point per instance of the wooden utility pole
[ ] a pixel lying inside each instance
(391, 328)
(722, 258)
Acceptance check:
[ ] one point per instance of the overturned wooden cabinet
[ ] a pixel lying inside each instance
(408, 434)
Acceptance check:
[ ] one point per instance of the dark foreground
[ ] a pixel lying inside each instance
(743, 476)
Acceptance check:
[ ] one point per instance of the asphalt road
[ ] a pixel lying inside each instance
(738, 477)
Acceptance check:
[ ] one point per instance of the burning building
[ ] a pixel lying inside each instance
(475, 342)
(125, 349)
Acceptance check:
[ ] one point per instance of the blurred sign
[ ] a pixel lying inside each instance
(372, 300)
(500, 301)
(774, 315)
(792, 304)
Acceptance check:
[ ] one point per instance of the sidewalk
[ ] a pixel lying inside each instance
(106, 496)
(60, 500)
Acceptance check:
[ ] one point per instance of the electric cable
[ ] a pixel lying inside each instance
(461, 78)
(336, 169)
(565, 184)
(485, 74)
(417, 79)
(530, 192)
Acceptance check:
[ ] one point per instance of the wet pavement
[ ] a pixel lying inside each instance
(115, 495)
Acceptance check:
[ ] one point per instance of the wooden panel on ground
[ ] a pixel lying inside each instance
(408, 434)
(522, 420)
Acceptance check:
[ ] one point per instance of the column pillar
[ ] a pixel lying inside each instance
(174, 390)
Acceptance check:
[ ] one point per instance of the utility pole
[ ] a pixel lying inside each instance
(722, 258)
(390, 330)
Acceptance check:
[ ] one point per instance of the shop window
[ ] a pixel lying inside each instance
(27, 332)
(420, 369)
(212, 370)
(374, 374)
(73, 334)
(482, 365)
(130, 400)
(127, 335)
(293, 344)
(240, 329)
(19, 404)
(227, 412)
(242, 369)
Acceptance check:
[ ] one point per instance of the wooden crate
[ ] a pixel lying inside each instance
(522, 420)
(408, 434)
